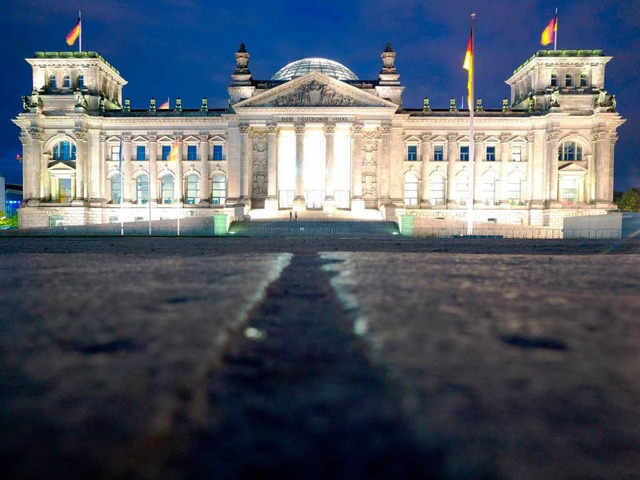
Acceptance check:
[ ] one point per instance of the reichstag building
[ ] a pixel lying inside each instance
(315, 136)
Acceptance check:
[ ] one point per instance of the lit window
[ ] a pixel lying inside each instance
(569, 187)
(217, 152)
(488, 190)
(491, 153)
(115, 153)
(65, 190)
(142, 188)
(52, 82)
(141, 152)
(116, 188)
(64, 151)
(554, 80)
(218, 189)
(569, 152)
(568, 82)
(166, 151)
(438, 153)
(462, 189)
(516, 153)
(583, 80)
(193, 189)
(464, 153)
(80, 81)
(412, 153)
(66, 82)
(410, 189)
(166, 188)
(191, 152)
(436, 190)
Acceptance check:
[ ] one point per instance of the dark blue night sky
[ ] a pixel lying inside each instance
(185, 48)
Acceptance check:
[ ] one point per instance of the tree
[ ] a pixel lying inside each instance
(630, 201)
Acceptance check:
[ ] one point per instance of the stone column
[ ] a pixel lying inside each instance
(299, 202)
(357, 202)
(613, 138)
(425, 151)
(271, 202)
(179, 182)
(601, 164)
(103, 193)
(527, 185)
(329, 203)
(245, 152)
(127, 194)
(537, 178)
(81, 163)
(385, 164)
(30, 187)
(552, 169)
(40, 173)
(505, 152)
(452, 155)
(153, 167)
(477, 164)
(205, 182)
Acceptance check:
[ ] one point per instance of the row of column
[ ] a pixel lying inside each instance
(329, 133)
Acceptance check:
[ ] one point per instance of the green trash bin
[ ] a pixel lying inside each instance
(220, 224)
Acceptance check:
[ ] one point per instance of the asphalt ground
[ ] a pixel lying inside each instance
(319, 358)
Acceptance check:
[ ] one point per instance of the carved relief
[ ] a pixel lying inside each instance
(452, 137)
(598, 135)
(259, 165)
(356, 128)
(36, 133)
(329, 128)
(152, 136)
(272, 127)
(313, 94)
(244, 127)
(81, 135)
(24, 137)
(505, 138)
(553, 135)
(426, 137)
(370, 164)
(385, 128)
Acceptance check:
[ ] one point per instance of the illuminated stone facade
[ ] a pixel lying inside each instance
(322, 140)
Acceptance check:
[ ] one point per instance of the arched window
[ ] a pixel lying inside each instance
(80, 81)
(142, 188)
(569, 152)
(462, 189)
(166, 188)
(554, 80)
(514, 188)
(52, 82)
(411, 189)
(568, 80)
(583, 80)
(488, 189)
(436, 189)
(66, 82)
(116, 188)
(218, 189)
(193, 189)
(64, 151)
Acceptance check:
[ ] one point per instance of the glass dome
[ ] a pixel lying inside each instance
(313, 64)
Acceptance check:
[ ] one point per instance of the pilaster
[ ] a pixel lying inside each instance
(299, 202)
(357, 202)
(271, 202)
(205, 182)
(425, 150)
(153, 167)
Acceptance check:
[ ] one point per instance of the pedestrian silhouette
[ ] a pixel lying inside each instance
(290, 216)
(296, 217)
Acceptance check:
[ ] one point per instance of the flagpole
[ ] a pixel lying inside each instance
(471, 142)
(80, 20)
(121, 191)
(555, 33)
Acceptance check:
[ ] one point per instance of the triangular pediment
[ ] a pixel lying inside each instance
(61, 167)
(572, 168)
(314, 90)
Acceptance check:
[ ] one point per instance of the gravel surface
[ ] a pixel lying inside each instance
(315, 358)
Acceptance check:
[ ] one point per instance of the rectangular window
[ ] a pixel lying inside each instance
(464, 153)
(438, 153)
(491, 153)
(141, 152)
(166, 151)
(217, 152)
(191, 152)
(516, 154)
(412, 153)
(115, 153)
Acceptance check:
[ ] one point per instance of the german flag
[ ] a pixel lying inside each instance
(549, 34)
(73, 35)
(468, 66)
